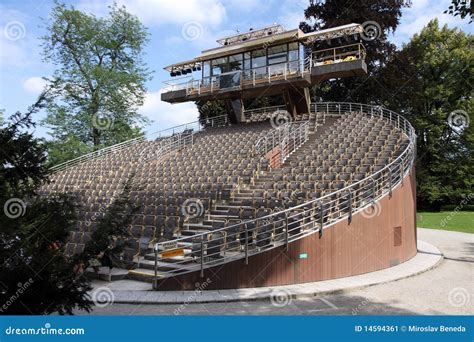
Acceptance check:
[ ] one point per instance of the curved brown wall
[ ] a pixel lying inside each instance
(365, 245)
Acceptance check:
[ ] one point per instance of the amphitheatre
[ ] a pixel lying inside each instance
(301, 192)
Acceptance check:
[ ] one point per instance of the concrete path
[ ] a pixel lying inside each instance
(446, 289)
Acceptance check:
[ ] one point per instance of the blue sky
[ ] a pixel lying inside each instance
(172, 39)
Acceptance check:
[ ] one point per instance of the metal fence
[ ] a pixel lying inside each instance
(174, 136)
(279, 229)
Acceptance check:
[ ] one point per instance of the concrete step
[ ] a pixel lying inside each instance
(104, 272)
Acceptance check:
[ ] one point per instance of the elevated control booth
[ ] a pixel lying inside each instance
(267, 61)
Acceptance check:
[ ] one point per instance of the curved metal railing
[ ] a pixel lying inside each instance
(253, 236)
(170, 133)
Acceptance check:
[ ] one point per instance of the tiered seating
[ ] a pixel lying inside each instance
(350, 149)
(257, 116)
(227, 183)
(219, 160)
(206, 171)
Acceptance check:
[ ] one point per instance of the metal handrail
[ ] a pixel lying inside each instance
(194, 126)
(337, 54)
(287, 138)
(281, 228)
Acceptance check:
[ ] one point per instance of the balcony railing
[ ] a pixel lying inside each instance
(238, 79)
(278, 230)
(340, 54)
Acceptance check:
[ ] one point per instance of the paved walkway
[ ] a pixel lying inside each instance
(133, 292)
(446, 289)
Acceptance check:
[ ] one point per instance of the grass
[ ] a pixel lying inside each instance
(461, 221)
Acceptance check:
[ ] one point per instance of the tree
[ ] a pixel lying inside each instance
(461, 8)
(99, 82)
(210, 109)
(431, 78)
(381, 15)
(37, 277)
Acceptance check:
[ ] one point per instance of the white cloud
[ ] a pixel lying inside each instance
(165, 114)
(423, 11)
(159, 12)
(34, 85)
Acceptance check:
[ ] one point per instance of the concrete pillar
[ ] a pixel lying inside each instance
(235, 108)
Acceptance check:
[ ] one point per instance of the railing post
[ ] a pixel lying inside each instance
(286, 231)
(390, 182)
(373, 191)
(401, 173)
(202, 257)
(156, 268)
(246, 245)
(349, 219)
(321, 220)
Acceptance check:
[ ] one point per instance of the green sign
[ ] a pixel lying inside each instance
(303, 255)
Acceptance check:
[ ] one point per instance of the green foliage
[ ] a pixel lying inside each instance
(460, 221)
(112, 230)
(37, 278)
(322, 15)
(99, 82)
(264, 101)
(461, 8)
(211, 109)
(431, 80)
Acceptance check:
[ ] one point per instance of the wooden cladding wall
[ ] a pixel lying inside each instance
(367, 244)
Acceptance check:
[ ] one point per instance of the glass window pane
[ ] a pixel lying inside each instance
(293, 46)
(293, 55)
(258, 53)
(235, 62)
(219, 66)
(277, 49)
(206, 69)
(259, 62)
(277, 59)
(247, 64)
